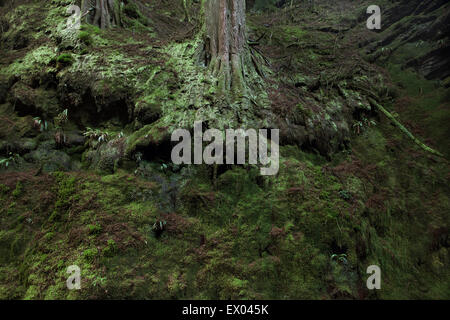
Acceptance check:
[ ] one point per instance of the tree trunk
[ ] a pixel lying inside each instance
(225, 43)
(101, 13)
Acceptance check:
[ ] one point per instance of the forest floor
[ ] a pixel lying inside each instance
(352, 190)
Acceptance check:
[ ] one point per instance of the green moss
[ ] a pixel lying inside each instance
(65, 59)
(65, 193)
(33, 62)
(49, 236)
(32, 293)
(111, 248)
(240, 236)
(304, 111)
(85, 37)
(426, 101)
(18, 190)
(264, 5)
(152, 134)
(94, 229)
(132, 11)
(90, 254)
(11, 208)
(90, 29)
(293, 32)
(4, 189)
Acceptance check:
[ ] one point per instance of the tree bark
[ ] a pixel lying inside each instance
(101, 13)
(225, 41)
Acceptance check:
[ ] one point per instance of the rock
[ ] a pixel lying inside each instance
(4, 86)
(75, 139)
(51, 160)
(291, 133)
(27, 144)
(147, 113)
(4, 147)
(15, 41)
(106, 157)
(151, 136)
(111, 96)
(21, 146)
(433, 65)
(29, 101)
(67, 38)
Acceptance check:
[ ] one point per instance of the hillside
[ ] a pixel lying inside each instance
(86, 176)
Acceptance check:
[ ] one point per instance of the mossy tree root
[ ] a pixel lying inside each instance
(404, 130)
(187, 17)
(102, 13)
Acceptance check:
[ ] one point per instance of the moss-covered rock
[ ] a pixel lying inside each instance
(147, 112)
(106, 157)
(36, 102)
(49, 159)
(150, 135)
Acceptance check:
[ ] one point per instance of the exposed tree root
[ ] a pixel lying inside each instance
(404, 130)
(106, 13)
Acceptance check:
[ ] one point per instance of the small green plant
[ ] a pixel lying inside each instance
(441, 43)
(110, 249)
(386, 51)
(339, 257)
(345, 194)
(61, 119)
(360, 126)
(138, 157)
(11, 159)
(49, 235)
(11, 208)
(18, 190)
(4, 189)
(90, 254)
(99, 281)
(159, 227)
(40, 124)
(420, 43)
(96, 135)
(168, 167)
(304, 111)
(94, 229)
(60, 137)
